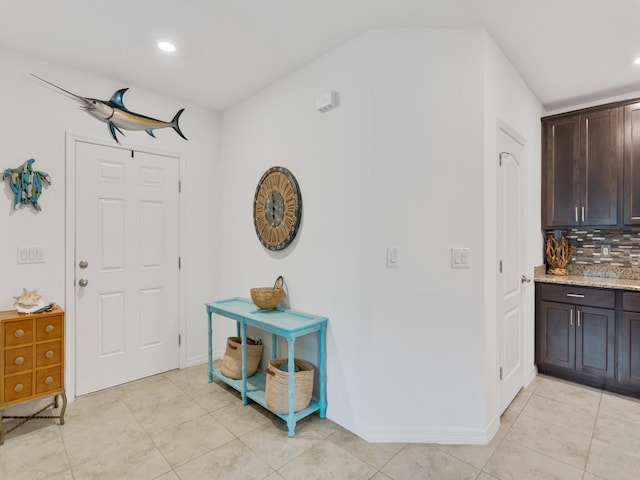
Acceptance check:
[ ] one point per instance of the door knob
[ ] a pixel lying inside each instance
(525, 279)
(83, 264)
(83, 282)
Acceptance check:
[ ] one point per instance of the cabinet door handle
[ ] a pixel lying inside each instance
(19, 333)
(583, 214)
(576, 214)
(19, 361)
(49, 329)
(48, 380)
(575, 295)
(49, 354)
(571, 317)
(578, 311)
(18, 388)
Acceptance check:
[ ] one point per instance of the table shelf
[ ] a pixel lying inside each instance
(288, 324)
(255, 391)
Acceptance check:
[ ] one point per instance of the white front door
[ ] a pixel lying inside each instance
(126, 265)
(510, 254)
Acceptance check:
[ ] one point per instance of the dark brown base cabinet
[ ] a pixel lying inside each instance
(578, 338)
(630, 340)
(583, 335)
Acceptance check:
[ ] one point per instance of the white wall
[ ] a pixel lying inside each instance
(34, 122)
(401, 163)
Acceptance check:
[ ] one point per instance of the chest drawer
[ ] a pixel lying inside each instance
(17, 387)
(596, 297)
(48, 353)
(18, 333)
(18, 360)
(48, 328)
(48, 380)
(31, 355)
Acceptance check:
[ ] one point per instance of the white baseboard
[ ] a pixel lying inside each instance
(204, 358)
(431, 435)
(533, 373)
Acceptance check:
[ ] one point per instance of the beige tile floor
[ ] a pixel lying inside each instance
(178, 426)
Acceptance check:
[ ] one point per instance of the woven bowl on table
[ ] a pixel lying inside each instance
(268, 297)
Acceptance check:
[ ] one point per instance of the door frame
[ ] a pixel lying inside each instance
(70, 247)
(503, 127)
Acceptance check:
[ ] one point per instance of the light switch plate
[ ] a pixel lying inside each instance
(30, 255)
(460, 257)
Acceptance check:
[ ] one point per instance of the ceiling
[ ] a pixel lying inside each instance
(568, 51)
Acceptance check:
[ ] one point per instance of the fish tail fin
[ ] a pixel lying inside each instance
(174, 123)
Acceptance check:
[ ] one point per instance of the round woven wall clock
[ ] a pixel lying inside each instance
(277, 208)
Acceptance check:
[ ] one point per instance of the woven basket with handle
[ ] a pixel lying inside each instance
(268, 297)
(232, 361)
(276, 391)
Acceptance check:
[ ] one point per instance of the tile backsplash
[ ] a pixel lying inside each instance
(622, 261)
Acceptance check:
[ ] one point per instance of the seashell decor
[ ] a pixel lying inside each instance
(29, 301)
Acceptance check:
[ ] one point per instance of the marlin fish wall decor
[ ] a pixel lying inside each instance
(116, 115)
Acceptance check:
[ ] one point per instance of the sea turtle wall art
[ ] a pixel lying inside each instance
(26, 184)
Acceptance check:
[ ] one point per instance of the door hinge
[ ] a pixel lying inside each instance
(179, 263)
(179, 186)
(179, 340)
(500, 266)
(500, 373)
(132, 153)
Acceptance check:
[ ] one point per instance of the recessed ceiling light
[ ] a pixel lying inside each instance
(637, 61)
(166, 46)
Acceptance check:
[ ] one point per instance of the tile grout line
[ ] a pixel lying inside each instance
(593, 431)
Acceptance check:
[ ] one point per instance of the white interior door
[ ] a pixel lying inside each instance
(510, 255)
(126, 265)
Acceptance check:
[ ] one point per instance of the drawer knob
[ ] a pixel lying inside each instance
(49, 328)
(18, 388)
(49, 354)
(19, 360)
(48, 380)
(19, 333)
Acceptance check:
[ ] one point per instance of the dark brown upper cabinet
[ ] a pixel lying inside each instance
(582, 168)
(632, 164)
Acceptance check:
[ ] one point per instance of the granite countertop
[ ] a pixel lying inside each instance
(540, 275)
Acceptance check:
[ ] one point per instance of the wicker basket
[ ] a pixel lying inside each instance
(277, 387)
(268, 297)
(232, 361)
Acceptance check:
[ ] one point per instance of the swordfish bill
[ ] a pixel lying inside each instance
(117, 116)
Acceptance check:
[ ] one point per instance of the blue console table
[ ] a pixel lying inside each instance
(279, 322)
